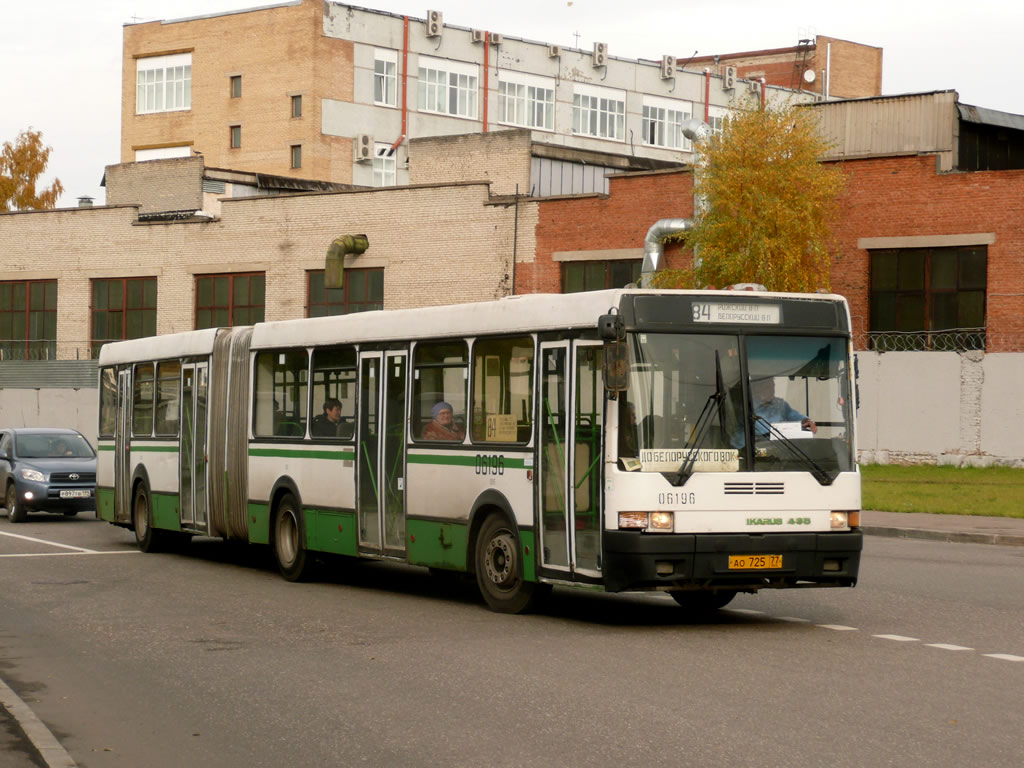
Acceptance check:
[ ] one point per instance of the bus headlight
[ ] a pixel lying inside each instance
(845, 519)
(662, 521)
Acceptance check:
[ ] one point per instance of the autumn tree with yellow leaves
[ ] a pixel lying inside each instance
(21, 165)
(769, 204)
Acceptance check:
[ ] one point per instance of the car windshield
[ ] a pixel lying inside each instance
(48, 445)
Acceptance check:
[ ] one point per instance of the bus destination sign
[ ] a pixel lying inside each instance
(716, 312)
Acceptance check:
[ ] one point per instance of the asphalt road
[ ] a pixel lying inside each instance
(210, 658)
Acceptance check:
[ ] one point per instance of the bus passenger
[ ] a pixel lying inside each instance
(443, 426)
(328, 423)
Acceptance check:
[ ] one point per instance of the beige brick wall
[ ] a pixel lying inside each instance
(157, 185)
(856, 68)
(279, 52)
(501, 157)
(437, 244)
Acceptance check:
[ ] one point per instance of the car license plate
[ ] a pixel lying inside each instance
(754, 562)
(75, 494)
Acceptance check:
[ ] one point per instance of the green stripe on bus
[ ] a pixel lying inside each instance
(105, 447)
(462, 460)
(298, 453)
(140, 448)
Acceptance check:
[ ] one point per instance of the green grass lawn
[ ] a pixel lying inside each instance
(997, 491)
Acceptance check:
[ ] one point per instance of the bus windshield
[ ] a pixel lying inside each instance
(686, 394)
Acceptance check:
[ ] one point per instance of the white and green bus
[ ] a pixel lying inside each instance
(618, 440)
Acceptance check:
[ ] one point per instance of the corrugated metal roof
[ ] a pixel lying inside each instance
(48, 374)
(990, 117)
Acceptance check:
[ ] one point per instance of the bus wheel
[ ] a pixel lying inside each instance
(148, 538)
(289, 548)
(499, 568)
(703, 602)
(16, 513)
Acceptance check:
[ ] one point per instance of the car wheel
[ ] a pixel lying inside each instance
(16, 513)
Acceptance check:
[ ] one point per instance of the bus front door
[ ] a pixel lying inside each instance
(192, 452)
(122, 448)
(571, 416)
(380, 480)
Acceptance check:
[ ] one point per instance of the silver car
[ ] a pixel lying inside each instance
(46, 470)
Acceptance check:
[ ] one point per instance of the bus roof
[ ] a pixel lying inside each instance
(172, 345)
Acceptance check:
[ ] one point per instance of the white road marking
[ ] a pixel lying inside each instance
(947, 647)
(75, 554)
(44, 541)
(744, 610)
(793, 619)
(837, 627)
(1004, 656)
(899, 638)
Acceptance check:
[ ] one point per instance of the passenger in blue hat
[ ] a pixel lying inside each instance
(443, 426)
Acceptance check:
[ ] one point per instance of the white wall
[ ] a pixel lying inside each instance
(72, 408)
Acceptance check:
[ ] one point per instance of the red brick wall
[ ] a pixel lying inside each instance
(885, 197)
(620, 220)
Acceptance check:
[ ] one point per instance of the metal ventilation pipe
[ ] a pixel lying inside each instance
(697, 131)
(654, 250)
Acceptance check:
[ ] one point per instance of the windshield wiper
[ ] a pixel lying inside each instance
(715, 404)
(821, 475)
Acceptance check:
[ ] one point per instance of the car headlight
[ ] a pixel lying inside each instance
(33, 474)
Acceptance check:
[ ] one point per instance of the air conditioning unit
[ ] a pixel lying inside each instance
(668, 67)
(728, 78)
(755, 86)
(435, 23)
(818, 97)
(554, 50)
(363, 146)
(497, 38)
(478, 35)
(600, 54)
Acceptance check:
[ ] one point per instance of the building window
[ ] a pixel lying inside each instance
(662, 123)
(928, 298)
(597, 275)
(163, 83)
(122, 308)
(236, 136)
(385, 77)
(717, 117)
(384, 166)
(223, 300)
(236, 86)
(526, 100)
(363, 291)
(28, 320)
(447, 87)
(296, 155)
(599, 112)
(296, 106)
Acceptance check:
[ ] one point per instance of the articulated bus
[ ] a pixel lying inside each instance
(618, 440)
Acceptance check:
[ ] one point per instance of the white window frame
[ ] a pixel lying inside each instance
(385, 77)
(385, 166)
(448, 87)
(526, 100)
(717, 117)
(599, 112)
(163, 83)
(661, 123)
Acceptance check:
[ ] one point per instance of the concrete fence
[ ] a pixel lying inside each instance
(961, 408)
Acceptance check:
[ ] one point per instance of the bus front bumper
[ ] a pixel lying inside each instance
(640, 561)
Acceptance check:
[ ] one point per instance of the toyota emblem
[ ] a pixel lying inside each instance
(73, 476)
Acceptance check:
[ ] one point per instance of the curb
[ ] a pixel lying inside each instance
(50, 750)
(1004, 539)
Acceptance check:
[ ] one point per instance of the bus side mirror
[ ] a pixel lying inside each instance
(616, 366)
(611, 328)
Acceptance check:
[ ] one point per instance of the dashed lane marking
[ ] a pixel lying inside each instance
(1004, 656)
(899, 638)
(948, 647)
(74, 554)
(837, 627)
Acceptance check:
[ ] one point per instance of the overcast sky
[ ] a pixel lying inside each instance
(61, 59)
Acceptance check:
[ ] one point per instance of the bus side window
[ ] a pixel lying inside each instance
(503, 390)
(280, 388)
(439, 376)
(333, 378)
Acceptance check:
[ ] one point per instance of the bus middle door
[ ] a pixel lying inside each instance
(193, 448)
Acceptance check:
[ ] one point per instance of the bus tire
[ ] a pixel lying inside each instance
(499, 568)
(147, 537)
(16, 513)
(699, 603)
(293, 560)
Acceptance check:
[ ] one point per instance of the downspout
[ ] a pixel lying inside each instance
(405, 81)
(487, 53)
(654, 249)
(707, 95)
(828, 69)
(764, 91)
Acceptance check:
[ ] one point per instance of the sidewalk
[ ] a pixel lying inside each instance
(963, 529)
